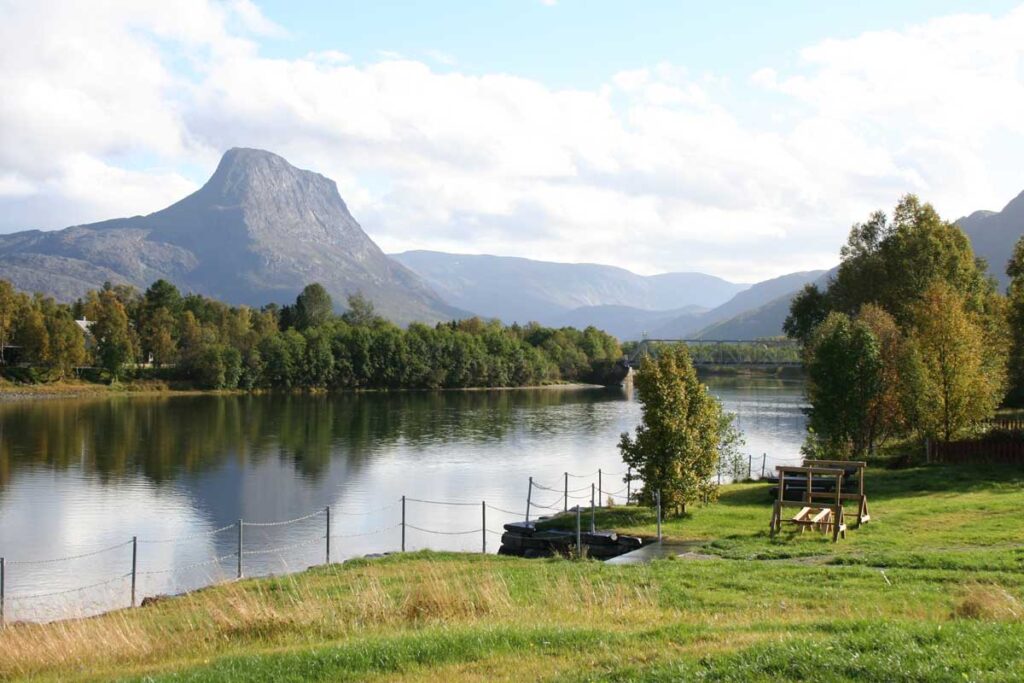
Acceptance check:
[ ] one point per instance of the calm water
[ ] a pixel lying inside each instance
(77, 476)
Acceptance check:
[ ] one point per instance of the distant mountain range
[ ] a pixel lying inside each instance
(994, 233)
(520, 290)
(260, 229)
(257, 232)
(630, 306)
(753, 313)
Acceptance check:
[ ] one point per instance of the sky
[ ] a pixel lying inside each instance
(739, 139)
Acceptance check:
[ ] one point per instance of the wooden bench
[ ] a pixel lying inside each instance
(856, 467)
(821, 516)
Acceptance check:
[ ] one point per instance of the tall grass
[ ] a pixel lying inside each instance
(941, 558)
(325, 604)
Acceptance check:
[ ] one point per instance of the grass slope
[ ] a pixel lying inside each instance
(931, 589)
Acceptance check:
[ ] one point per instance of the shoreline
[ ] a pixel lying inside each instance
(15, 393)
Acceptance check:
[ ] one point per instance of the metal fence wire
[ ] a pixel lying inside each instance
(593, 492)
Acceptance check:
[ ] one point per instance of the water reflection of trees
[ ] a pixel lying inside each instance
(163, 438)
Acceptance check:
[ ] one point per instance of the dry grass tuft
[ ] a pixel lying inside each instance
(439, 596)
(987, 602)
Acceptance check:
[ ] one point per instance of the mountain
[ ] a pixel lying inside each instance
(258, 231)
(521, 290)
(765, 321)
(754, 312)
(994, 233)
(625, 322)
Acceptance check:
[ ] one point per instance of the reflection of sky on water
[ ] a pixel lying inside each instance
(101, 474)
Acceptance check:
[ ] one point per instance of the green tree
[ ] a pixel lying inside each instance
(114, 349)
(66, 341)
(318, 361)
(676, 449)
(163, 294)
(313, 307)
(31, 334)
(885, 410)
(158, 336)
(360, 312)
(10, 301)
(844, 379)
(807, 310)
(217, 367)
(951, 385)
(894, 263)
(1015, 295)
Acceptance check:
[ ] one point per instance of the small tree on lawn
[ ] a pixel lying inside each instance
(677, 445)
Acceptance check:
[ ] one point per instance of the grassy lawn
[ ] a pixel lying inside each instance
(931, 589)
(938, 517)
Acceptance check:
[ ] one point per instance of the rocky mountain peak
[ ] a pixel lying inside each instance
(258, 231)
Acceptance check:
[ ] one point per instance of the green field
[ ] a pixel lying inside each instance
(931, 589)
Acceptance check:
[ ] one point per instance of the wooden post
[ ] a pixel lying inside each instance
(593, 511)
(328, 537)
(3, 571)
(750, 466)
(657, 502)
(135, 555)
(565, 496)
(403, 524)
(483, 526)
(600, 488)
(764, 461)
(579, 535)
(239, 548)
(529, 497)
(629, 480)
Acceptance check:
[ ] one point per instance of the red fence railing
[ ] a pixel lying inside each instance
(984, 450)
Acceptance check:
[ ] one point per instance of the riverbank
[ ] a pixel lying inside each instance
(931, 589)
(11, 391)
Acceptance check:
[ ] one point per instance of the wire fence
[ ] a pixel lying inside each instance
(124, 585)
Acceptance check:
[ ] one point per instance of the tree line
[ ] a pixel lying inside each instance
(765, 351)
(910, 338)
(212, 345)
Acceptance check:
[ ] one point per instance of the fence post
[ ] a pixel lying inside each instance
(529, 495)
(135, 555)
(403, 524)
(750, 466)
(764, 461)
(657, 502)
(483, 526)
(565, 497)
(579, 536)
(3, 571)
(239, 548)
(600, 488)
(328, 537)
(593, 512)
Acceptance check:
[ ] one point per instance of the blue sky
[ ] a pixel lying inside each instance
(578, 43)
(741, 140)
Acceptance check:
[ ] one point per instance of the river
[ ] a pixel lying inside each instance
(79, 476)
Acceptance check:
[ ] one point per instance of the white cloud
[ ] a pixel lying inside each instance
(652, 170)
(329, 57)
